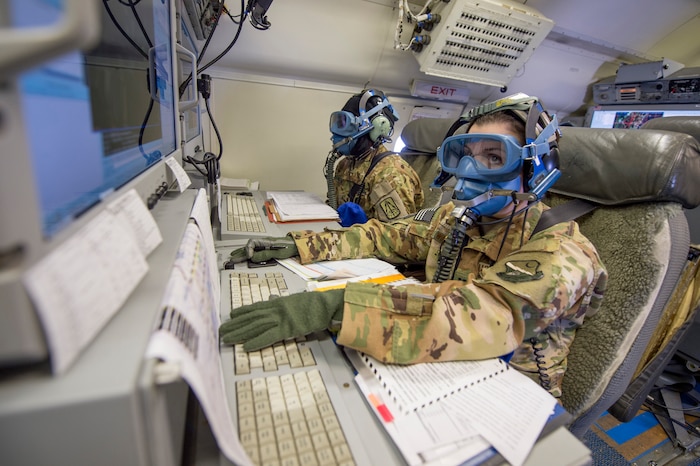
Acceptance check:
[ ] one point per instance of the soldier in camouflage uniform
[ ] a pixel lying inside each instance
(496, 288)
(382, 183)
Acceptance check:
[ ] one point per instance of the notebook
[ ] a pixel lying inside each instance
(299, 206)
(456, 410)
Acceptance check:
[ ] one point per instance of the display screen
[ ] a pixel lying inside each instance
(634, 117)
(97, 119)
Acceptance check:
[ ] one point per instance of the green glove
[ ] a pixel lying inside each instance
(264, 249)
(267, 322)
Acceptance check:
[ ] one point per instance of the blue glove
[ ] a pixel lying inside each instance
(351, 213)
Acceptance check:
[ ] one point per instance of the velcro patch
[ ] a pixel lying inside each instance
(521, 271)
(425, 215)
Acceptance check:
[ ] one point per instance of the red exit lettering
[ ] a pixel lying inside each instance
(439, 90)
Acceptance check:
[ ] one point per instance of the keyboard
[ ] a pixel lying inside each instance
(290, 420)
(243, 214)
(286, 399)
(243, 217)
(253, 287)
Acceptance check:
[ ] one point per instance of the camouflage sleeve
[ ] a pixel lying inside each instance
(409, 324)
(558, 274)
(551, 316)
(552, 276)
(402, 241)
(394, 190)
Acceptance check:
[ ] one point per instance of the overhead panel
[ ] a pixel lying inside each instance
(482, 41)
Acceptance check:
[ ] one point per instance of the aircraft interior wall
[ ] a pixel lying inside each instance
(275, 130)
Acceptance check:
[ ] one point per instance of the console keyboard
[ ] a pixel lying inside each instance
(251, 287)
(243, 214)
(285, 416)
(289, 420)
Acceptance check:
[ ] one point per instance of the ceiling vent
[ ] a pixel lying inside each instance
(482, 41)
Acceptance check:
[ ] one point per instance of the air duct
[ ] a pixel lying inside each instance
(482, 41)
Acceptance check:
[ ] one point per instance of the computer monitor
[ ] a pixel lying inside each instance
(78, 130)
(635, 115)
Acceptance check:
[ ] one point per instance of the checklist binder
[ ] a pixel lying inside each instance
(413, 387)
(298, 206)
(454, 411)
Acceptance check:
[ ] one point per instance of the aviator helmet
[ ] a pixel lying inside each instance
(369, 114)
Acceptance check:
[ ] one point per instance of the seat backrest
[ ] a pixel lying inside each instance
(687, 125)
(641, 181)
(422, 137)
(679, 326)
(678, 124)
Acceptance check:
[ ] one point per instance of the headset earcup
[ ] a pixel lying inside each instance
(381, 128)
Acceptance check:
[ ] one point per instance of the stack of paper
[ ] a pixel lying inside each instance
(294, 206)
(328, 275)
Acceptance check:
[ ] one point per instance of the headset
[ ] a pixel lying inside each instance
(382, 122)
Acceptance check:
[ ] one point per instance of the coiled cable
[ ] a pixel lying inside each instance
(451, 249)
(329, 171)
(537, 350)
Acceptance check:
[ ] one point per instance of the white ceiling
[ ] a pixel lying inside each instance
(350, 42)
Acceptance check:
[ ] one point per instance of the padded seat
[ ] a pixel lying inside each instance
(422, 137)
(641, 181)
(687, 125)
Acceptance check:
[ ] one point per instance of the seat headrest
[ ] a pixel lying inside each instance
(425, 134)
(623, 166)
(680, 124)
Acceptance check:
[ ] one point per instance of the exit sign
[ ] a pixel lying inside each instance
(437, 91)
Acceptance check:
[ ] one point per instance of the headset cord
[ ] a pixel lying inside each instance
(537, 350)
(329, 171)
(451, 250)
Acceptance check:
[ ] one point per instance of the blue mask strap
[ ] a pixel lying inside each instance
(540, 146)
(364, 115)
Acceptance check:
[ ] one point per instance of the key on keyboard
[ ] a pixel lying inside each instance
(243, 214)
(289, 420)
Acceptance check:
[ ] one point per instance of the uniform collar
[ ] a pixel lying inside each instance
(490, 242)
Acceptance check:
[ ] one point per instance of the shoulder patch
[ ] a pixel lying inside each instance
(521, 271)
(390, 209)
(425, 215)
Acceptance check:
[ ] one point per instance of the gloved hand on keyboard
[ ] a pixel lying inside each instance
(261, 324)
(264, 249)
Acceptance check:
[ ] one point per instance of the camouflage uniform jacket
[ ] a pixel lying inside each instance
(392, 189)
(529, 298)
